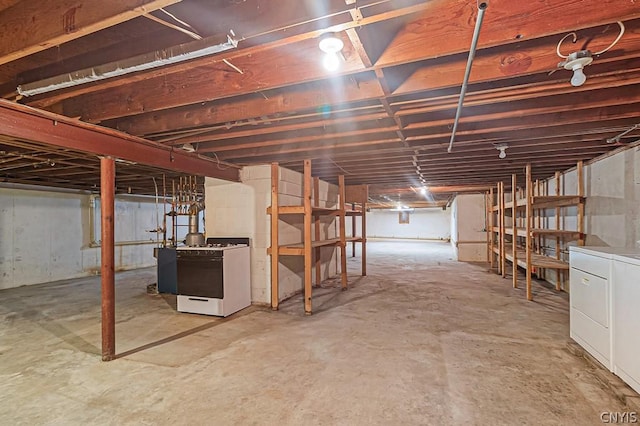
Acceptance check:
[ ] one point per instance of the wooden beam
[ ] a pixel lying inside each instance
(19, 121)
(448, 25)
(304, 98)
(30, 27)
(107, 250)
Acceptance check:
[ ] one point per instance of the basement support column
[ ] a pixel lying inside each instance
(107, 195)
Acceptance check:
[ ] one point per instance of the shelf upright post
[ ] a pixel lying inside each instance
(307, 236)
(503, 258)
(490, 230)
(529, 238)
(580, 172)
(559, 275)
(275, 177)
(514, 224)
(343, 238)
(316, 222)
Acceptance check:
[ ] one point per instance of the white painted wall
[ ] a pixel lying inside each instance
(427, 224)
(46, 235)
(468, 234)
(612, 207)
(240, 210)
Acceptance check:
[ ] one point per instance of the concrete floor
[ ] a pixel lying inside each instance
(421, 340)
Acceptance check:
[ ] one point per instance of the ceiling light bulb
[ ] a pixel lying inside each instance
(578, 78)
(503, 154)
(331, 62)
(331, 44)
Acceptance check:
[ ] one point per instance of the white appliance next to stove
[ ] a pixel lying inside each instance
(214, 279)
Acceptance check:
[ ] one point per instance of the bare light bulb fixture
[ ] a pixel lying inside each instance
(188, 147)
(576, 61)
(331, 45)
(503, 150)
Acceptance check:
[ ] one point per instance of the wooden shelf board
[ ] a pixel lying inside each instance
(316, 211)
(353, 212)
(552, 201)
(298, 249)
(354, 239)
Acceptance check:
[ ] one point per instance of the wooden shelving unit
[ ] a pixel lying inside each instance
(523, 241)
(311, 245)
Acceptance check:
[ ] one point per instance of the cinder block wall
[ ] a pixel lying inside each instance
(240, 210)
(45, 236)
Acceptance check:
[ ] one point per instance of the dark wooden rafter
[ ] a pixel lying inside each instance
(30, 27)
(386, 118)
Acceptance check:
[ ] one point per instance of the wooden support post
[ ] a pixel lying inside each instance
(275, 262)
(363, 247)
(308, 252)
(107, 200)
(529, 238)
(353, 230)
(514, 224)
(491, 232)
(317, 223)
(503, 258)
(487, 220)
(343, 230)
(559, 274)
(580, 171)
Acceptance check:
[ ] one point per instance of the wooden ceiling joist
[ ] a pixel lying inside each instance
(30, 27)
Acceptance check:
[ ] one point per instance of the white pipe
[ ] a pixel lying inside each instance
(482, 6)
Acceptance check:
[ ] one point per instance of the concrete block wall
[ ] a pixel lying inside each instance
(468, 234)
(240, 210)
(426, 224)
(46, 236)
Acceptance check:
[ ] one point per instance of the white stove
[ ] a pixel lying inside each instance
(214, 279)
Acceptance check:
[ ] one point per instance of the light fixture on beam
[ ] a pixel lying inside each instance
(577, 60)
(188, 147)
(332, 47)
(503, 150)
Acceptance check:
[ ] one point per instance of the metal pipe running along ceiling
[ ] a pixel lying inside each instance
(146, 61)
(482, 6)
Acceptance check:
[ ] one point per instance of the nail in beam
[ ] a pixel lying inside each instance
(107, 194)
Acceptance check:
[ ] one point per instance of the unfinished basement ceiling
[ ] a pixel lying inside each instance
(384, 118)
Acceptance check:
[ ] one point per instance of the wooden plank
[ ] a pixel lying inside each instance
(557, 220)
(528, 236)
(25, 123)
(298, 249)
(503, 264)
(553, 201)
(275, 261)
(342, 230)
(308, 239)
(491, 229)
(448, 25)
(31, 27)
(316, 229)
(580, 170)
(353, 213)
(514, 224)
(363, 230)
